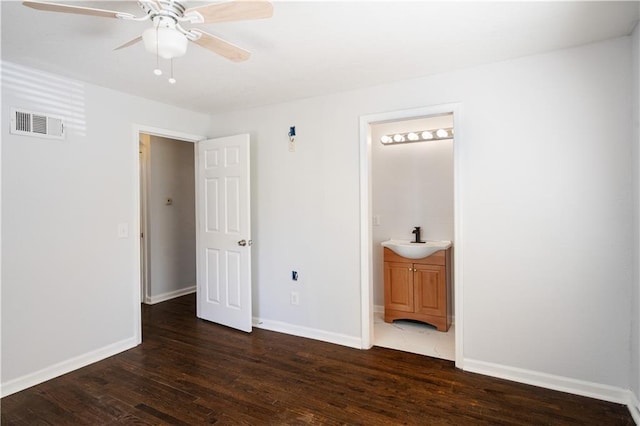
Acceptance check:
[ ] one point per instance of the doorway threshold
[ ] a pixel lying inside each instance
(414, 337)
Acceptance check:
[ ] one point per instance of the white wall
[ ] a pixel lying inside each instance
(412, 186)
(635, 313)
(546, 208)
(547, 204)
(69, 284)
(172, 228)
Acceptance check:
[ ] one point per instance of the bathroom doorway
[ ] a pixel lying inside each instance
(412, 186)
(407, 183)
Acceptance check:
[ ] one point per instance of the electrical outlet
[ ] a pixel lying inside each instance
(295, 298)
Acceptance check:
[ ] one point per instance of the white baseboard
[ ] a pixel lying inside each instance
(311, 333)
(634, 407)
(64, 367)
(550, 381)
(152, 300)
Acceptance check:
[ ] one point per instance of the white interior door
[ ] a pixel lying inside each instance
(223, 238)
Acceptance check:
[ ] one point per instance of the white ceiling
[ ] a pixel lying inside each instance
(308, 48)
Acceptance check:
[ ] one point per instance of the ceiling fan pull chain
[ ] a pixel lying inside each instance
(157, 71)
(171, 79)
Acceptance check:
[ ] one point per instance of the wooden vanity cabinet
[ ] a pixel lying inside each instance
(418, 289)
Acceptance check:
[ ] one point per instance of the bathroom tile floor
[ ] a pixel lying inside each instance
(415, 337)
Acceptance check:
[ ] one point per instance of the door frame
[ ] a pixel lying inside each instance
(136, 228)
(145, 141)
(366, 213)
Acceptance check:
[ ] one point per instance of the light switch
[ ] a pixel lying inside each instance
(123, 230)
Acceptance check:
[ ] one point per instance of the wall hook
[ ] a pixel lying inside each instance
(292, 133)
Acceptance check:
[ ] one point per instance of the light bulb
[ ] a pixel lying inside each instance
(386, 139)
(427, 135)
(442, 133)
(398, 137)
(172, 80)
(413, 136)
(157, 71)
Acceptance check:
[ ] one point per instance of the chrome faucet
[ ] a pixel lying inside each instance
(416, 230)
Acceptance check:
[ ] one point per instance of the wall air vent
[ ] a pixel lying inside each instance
(36, 124)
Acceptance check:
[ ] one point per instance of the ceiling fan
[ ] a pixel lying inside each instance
(167, 38)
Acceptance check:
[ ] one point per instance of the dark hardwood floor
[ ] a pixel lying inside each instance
(191, 372)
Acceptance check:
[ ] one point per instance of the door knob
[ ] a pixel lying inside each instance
(242, 243)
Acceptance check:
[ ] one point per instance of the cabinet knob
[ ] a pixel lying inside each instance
(415, 270)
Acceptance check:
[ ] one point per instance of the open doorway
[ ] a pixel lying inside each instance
(138, 228)
(369, 290)
(167, 218)
(412, 186)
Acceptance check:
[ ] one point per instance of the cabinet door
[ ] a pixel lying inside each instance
(398, 286)
(430, 289)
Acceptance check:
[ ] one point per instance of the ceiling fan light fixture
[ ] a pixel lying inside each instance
(167, 42)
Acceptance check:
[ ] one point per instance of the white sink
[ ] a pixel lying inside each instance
(406, 248)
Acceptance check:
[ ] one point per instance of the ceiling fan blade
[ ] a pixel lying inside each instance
(129, 43)
(64, 8)
(221, 47)
(233, 10)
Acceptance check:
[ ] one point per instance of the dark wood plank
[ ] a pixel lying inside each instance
(189, 371)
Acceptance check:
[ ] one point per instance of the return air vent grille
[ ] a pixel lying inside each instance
(36, 124)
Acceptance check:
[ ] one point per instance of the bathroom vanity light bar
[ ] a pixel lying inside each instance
(419, 136)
